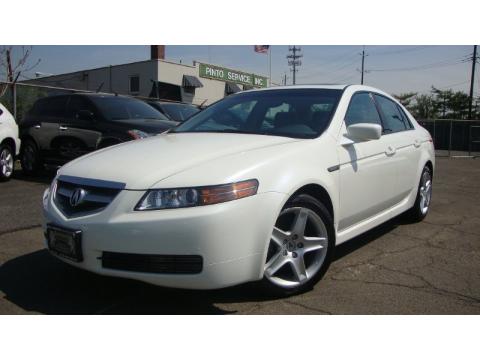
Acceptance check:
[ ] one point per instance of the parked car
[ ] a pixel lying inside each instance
(175, 111)
(9, 143)
(261, 185)
(61, 128)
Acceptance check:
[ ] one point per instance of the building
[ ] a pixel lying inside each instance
(199, 83)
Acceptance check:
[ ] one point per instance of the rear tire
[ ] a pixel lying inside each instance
(297, 259)
(30, 158)
(7, 162)
(424, 196)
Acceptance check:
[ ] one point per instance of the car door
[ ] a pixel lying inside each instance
(367, 172)
(48, 113)
(78, 131)
(402, 142)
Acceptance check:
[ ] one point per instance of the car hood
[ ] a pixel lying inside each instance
(141, 163)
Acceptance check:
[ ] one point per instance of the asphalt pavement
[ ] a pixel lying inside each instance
(432, 267)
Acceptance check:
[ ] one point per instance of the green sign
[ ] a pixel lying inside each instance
(238, 77)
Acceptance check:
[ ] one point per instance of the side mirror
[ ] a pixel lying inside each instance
(364, 131)
(85, 115)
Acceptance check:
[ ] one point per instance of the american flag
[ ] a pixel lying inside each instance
(262, 49)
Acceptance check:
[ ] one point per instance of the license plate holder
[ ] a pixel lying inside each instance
(66, 243)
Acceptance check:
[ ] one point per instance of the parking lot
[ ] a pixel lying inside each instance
(431, 267)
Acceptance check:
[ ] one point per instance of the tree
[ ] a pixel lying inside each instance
(450, 104)
(425, 107)
(13, 62)
(406, 99)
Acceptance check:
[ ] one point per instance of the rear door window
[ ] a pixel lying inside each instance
(76, 104)
(392, 118)
(52, 107)
(405, 118)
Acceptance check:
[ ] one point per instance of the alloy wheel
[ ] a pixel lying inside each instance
(425, 192)
(297, 249)
(6, 162)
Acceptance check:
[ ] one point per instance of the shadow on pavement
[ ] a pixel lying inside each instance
(366, 238)
(38, 282)
(41, 283)
(44, 177)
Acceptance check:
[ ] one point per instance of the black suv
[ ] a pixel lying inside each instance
(59, 128)
(175, 111)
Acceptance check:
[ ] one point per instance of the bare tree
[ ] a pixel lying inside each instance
(13, 65)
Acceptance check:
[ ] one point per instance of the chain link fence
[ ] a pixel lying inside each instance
(455, 138)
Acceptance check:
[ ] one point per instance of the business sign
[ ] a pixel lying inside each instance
(238, 77)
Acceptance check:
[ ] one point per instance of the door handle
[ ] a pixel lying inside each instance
(37, 126)
(417, 143)
(390, 150)
(63, 128)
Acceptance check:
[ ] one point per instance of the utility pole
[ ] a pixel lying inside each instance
(363, 63)
(293, 59)
(474, 61)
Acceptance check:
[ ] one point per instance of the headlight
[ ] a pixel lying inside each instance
(137, 134)
(188, 197)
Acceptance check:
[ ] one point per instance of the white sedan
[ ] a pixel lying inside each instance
(9, 143)
(261, 185)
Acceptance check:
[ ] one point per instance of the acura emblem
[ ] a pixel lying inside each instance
(77, 197)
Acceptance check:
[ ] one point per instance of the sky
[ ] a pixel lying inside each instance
(395, 69)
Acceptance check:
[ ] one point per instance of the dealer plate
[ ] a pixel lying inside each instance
(66, 243)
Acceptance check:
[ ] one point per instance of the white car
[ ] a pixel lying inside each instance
(9, 143)
(261, 185)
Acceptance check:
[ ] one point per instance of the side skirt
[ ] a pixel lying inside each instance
(373, 221)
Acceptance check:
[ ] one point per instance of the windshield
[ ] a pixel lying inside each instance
(298, 113)
(122, 108)
(179, 112)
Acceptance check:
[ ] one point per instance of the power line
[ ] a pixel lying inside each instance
(334, 70)
(340, 60)
(453, 85)
(401, 51)
(425, 66)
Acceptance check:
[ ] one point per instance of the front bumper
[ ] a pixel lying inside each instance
(232, 237)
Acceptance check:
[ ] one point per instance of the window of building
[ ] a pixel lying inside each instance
(134, 84)
(362, 110)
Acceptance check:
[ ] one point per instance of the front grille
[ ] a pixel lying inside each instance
(158, 264)
(97, 195)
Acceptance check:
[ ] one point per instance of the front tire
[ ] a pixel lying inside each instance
(7, 161)
(30, 158)
(424, 196)
(301, 247)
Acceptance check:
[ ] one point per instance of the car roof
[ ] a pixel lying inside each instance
(170, 102)
(353, 87)
(101, 95)
(290, 87)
